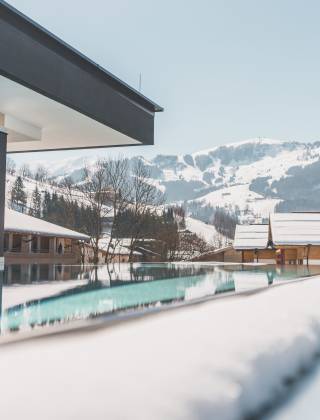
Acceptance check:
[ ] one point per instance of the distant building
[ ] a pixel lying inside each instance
(289, 238)
(30, 240)
(296, 237)
(253, 241)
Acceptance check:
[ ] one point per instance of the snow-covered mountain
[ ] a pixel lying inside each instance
(252, 176)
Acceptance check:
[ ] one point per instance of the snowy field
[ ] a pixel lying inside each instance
(206, 232)
(241, 196)
(221, 360)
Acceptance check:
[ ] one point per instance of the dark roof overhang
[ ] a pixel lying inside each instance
(36, 66)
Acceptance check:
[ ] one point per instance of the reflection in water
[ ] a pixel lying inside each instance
(123, 287)
(37, 273)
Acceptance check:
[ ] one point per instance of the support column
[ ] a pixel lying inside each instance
(53, 246)
(3, 167)
(29, 244)
(10, 242)
(38, 244)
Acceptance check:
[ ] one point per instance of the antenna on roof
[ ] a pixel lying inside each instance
(140, 82)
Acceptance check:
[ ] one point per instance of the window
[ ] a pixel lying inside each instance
(16, 243)
(34, 244)
(44, 244)
(6, 242)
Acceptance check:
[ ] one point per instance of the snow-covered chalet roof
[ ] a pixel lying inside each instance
(295, 228)
(22, 223)
(251, 237)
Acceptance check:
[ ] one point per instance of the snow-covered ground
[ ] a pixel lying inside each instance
(29, 187)
(218, 360)
(206, 232)
(241, 196)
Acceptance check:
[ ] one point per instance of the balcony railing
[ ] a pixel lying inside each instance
(40, 251)
(16, 250)
(19, 250)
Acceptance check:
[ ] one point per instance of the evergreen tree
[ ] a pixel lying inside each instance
(35, 207)
(18, 196)
(46, 205)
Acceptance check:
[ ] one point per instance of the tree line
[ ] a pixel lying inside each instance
(114, 200)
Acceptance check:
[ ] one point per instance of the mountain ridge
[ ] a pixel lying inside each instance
(253, 177)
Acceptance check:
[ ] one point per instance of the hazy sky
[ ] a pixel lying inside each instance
(224, 70)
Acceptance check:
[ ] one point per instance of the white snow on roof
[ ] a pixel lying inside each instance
(251, 237)
(22, 223)
(223, 249)
(295, 228)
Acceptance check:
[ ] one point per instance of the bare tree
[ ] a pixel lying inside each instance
(145, 201)
(118, 180)
(25, 171)
(94, 189)
(168, 235)
(110, 192)
(71, 198)
(11, 166)
(104, 190)
(41, 174)
(191, 245)
(68, 187)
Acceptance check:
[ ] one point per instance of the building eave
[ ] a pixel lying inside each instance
(53, 69)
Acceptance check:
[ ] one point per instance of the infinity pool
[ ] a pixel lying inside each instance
(113, 289)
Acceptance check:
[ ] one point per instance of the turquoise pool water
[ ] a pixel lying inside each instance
(108, 290)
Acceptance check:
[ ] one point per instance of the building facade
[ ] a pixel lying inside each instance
(296, 237)
(289, 238)
(30, 240)
(253, 242)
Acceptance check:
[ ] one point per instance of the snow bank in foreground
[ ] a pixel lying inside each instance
(218, 360)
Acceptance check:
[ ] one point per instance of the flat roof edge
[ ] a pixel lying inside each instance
(79, 237)
(112, 80)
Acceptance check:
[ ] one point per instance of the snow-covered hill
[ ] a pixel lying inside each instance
(29, 185)
(251, 177)
(206, 232)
